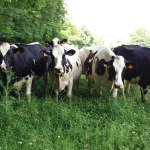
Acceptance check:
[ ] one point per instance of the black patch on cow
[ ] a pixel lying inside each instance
(111, 72)
(67, 66)
(88, 63)
(77, 64)
(26, 78)
(100, 69)
(52, 64)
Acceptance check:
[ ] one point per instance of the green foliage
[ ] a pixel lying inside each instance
(80, 37)
(30, 21)
(40, 20)
(140, 37)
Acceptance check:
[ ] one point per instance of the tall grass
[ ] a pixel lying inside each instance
(84, 123)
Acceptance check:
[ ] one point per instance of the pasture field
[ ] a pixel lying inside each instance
(83, 123)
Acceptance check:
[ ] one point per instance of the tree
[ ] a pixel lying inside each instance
(29, 21)
(140, 37)
(79, 36)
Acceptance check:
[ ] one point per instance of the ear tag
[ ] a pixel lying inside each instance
(45, 54)
(130, 66)
(18, 52)
(105, 65)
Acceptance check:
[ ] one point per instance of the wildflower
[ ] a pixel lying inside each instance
(20, 142)
(58, 136)
(30, 143)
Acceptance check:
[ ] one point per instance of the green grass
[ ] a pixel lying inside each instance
(83, 123)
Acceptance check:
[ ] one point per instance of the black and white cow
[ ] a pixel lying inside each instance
(141, 74)
(102, 67)
(65, 67)
(26, 62)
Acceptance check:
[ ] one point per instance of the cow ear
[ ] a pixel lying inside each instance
(63, 41)
(18, 50)
(44, 53)
(104, 63)
(130, 64)
(70, 52)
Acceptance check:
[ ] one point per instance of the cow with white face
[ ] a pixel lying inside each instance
(26, 62)
(64, 68)
(102, 67)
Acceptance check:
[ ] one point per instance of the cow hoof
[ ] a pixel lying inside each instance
(115, 98)
(69, 96)
(29, 98)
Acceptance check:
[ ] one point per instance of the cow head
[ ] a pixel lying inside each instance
(59, 63)
(8, 51)
(55, 41)
(115, 69)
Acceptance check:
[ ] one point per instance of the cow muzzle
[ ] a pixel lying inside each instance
(118, 86)
(4, 67)
(58, 70)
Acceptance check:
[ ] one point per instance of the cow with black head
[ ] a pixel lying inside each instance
(27, 63)
(102, 67)
(141, 74)
(64, 67)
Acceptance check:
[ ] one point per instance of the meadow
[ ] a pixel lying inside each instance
(85, 122)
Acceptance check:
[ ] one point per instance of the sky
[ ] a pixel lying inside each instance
(110, 18)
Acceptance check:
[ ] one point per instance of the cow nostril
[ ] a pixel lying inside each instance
(58, 70)
(118, 86)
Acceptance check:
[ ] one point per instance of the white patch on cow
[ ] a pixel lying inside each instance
(33, 43)
(55, 41)
(58, 51)
(34, 61)
(4, 48)
(3, 65)
(68, 47)
(15, 46)
(90, 60)
(119, 65)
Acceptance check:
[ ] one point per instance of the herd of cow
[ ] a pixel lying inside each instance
(64, 64)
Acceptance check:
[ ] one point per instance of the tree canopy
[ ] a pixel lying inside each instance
(140, 37)
(28, 21)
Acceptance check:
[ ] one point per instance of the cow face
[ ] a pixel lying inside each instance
(115, 69)
(58, 59)
(8, 53)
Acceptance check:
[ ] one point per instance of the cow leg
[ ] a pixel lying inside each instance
(57, 94)
(128, 87)
(69, 89)
(45, 78)
(28, 88)
(18, 86)
(90, 87)
(77, 84)
(123, 92)
(115, 91)
(143, 93)
(98, 90)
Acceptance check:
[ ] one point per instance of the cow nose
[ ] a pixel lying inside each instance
(58, 70)
(118, 86)
(3, 66)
